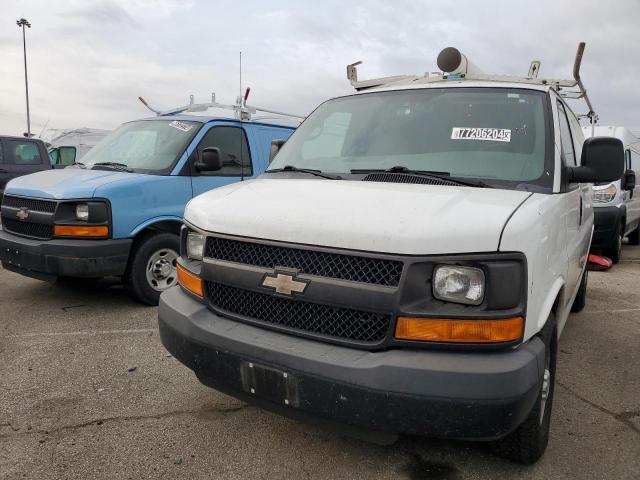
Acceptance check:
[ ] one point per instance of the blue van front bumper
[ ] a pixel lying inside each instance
(48, 259)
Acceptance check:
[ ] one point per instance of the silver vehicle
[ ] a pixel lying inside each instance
(617, 204)
(71, 145)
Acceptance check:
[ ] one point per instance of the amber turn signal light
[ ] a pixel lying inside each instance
(80, 231)
(189, 281)
(459, 331)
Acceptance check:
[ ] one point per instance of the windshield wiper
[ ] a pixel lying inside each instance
(317, 173)
(426, 173)
(78, 164)
(121, 167)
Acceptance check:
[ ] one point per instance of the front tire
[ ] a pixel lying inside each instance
(581, 298)
(152, 267)
(634, 237)
(529, 441)
(615, 250)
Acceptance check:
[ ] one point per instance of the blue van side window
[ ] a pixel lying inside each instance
(233, 145)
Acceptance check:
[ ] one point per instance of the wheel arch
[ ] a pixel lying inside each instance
(161, 224)
(555, 302)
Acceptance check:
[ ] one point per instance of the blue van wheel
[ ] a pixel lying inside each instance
(152, 266)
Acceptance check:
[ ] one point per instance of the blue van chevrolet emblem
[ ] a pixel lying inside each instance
(22, 214)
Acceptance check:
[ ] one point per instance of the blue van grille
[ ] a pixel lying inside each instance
(28, 229)
(35, 204)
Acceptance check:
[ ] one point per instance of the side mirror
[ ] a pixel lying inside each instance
(602, 161)
(276, 145)
(210, 160)
(629, 180)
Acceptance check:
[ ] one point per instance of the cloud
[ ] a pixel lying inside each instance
(88, 62)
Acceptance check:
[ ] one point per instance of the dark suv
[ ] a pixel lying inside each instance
(21, 156)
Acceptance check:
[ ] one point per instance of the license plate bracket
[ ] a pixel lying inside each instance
(270, 384)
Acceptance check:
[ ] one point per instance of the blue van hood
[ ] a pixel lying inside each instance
(67, 183)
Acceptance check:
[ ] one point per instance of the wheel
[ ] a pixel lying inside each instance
(528, 442)
(634, 236)
(581, 298)
(152, 267)
(614, 252)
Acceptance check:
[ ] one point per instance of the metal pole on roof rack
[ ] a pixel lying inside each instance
(582, 89)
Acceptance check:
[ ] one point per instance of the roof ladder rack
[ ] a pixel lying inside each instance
(240, 109)
(459, 68)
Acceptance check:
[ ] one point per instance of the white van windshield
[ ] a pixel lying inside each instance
(484, 133)
(145, 146)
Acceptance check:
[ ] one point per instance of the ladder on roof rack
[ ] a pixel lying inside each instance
(240, 109)
(458, 70)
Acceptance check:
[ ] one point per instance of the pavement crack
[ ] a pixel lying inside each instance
(8, 424)
(64, 309)
(623, 417)
(220, 409)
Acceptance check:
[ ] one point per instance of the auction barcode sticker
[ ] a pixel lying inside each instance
(492, 134)
(185, 127)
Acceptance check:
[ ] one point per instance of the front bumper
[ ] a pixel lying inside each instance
(437, 393)
(48, 259)
(605, 223)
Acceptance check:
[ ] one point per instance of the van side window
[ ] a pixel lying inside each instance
(23, 153)
(53, 156)
(67, 156)
(627, 159)
(566, 139)
(1, 155)
(233, 145)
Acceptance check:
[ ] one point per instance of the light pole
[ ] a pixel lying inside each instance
(24, 23)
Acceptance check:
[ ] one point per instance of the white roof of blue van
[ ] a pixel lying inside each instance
(271, 120)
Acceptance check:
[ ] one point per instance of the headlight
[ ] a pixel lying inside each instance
(195, 245)
(459, 284)
(82, 212)
(605, 195)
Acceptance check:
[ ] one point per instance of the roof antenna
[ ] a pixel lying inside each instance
(240, 129)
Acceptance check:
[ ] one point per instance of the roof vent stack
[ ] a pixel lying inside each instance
(453, 61)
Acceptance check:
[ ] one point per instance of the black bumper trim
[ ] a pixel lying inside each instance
(47, 259)
(463, 395)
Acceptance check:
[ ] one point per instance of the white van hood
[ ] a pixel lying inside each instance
(368, 216)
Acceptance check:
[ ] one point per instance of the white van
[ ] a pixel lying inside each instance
(617, 204)
(71, 145)
(405, 265)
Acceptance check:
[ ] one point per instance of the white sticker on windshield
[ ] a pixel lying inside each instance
(492, 134)
(185, 127)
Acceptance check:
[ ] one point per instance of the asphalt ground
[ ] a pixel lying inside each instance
(87, 391)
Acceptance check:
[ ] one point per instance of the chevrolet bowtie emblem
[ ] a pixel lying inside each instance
(284, 283)
(22, 214)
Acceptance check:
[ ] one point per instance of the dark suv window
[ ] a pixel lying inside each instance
(23, 153)
(232, 142)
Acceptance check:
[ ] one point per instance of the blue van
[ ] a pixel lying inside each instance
(119, 212)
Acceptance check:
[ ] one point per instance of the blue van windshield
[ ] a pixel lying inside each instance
(147, 146)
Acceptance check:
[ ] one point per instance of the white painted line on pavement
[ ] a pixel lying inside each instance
(95, 332)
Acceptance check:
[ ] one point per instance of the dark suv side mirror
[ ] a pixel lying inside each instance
(602, 161)
(276, 145)
(210, 160)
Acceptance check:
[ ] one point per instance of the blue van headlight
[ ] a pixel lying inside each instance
(82, 212)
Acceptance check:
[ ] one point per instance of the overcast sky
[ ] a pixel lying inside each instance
(89, 60)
